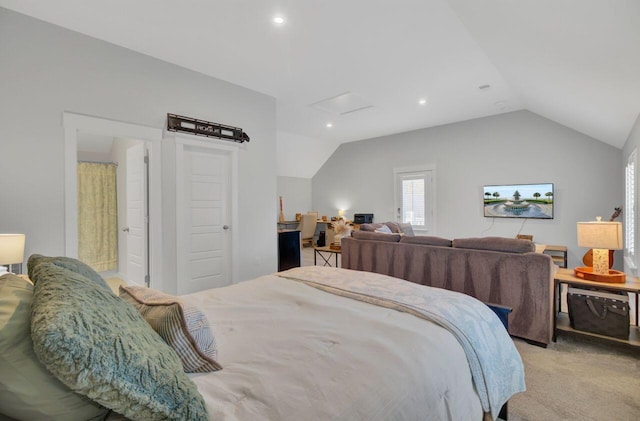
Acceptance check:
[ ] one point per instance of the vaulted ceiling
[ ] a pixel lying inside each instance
(364, 65)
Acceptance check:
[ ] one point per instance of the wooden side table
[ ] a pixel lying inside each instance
(558, 254)
(561, 320)
(318, 251)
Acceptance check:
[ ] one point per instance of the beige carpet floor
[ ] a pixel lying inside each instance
(575, 379)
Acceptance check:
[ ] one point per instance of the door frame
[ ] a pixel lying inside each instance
(74, 123)
(181, 140)
(431, 197)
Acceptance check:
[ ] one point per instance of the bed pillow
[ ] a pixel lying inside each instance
(27, 390)
(99, 345)
(376, 236)
(182, 326)
(426, 240)
(509, 245)
(73, 265)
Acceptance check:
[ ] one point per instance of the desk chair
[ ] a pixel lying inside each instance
(307, 228)
(314, 213)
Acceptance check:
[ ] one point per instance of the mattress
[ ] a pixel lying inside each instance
(290, 351)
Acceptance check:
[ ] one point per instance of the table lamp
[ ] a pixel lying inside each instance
(601, 237)
(11, 250)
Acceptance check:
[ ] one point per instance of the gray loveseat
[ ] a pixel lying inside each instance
(495, 270)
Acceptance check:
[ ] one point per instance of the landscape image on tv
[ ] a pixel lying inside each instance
(519, 201)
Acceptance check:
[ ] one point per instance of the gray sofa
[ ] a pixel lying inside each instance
(495, 270)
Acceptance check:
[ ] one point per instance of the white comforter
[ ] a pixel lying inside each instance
(292, 352)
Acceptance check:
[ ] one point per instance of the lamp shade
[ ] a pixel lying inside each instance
(600, 235)
(11, 248)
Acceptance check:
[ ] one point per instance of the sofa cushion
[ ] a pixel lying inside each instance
(98, 345)
(27, 390)
(370, 227)
(406, 229)
(426, 240)
(183, 326)
(509, 245)
(376, 236)
(393, 226)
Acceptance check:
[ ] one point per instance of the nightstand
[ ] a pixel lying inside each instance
(561, 320)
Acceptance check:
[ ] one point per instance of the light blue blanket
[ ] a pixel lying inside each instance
(496, 366)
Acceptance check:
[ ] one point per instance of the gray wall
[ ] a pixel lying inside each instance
(513, 148)
(45, 70)
(296, 196)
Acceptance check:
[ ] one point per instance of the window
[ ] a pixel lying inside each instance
(630, 211)
(414, 201)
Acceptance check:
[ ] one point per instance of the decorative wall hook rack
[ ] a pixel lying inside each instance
(178, 123)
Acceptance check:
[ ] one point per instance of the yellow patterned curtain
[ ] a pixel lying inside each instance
(97, 216)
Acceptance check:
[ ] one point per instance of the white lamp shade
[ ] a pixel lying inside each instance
(11, 248)
(600, 235)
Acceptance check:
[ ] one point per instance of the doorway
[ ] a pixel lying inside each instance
(139, 215)
(415, 197)
(112, 206)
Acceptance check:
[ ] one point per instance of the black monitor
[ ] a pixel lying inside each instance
(362, 218)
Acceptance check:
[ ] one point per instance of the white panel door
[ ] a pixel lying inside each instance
(136, 226)
(204, 227)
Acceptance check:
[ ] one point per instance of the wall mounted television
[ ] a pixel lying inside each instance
(519, 201)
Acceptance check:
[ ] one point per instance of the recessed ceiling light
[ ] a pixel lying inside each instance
(329, 125)
(422, 101)
(501, 105)
(279, 20)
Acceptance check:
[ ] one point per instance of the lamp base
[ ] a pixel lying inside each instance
(612, 277)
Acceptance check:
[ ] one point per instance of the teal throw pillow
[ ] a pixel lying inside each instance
(100, 346)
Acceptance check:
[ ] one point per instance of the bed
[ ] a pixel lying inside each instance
(308, 343)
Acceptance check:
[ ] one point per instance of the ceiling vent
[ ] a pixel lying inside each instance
(345, 103)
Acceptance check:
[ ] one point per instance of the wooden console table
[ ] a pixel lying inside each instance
(283, 225)
(561, 320)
